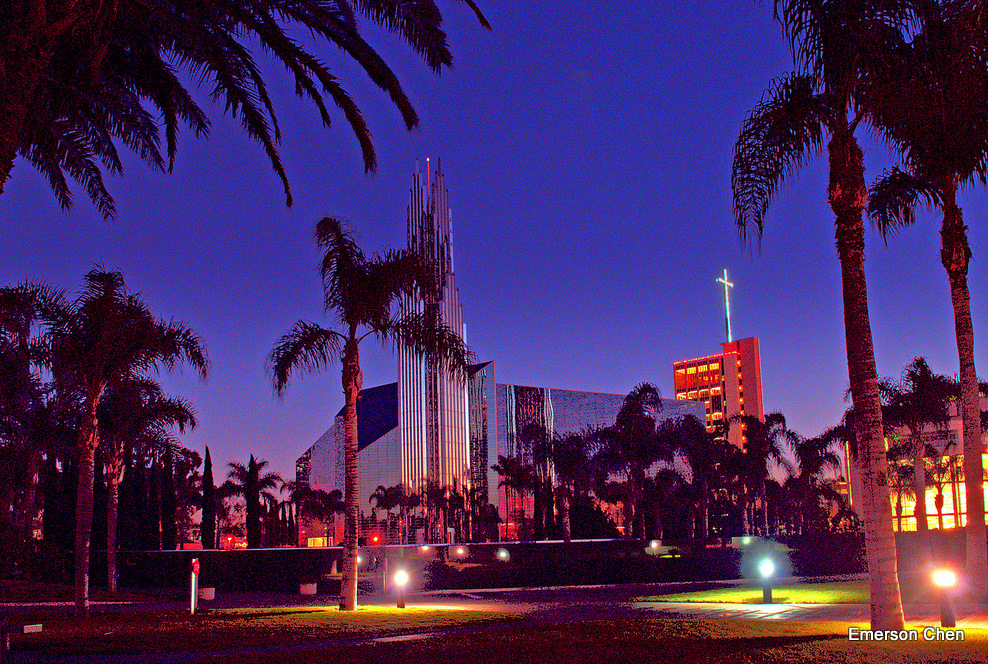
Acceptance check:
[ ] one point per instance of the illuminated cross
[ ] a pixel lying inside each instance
(727, 303)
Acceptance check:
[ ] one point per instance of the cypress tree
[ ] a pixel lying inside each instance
(169, 526)
(208, 527)
(252, 496)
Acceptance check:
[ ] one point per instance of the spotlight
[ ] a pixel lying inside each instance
(401, 580)
(503, 555)
(945, 579)
(766, 568)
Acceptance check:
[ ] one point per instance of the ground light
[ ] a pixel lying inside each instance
(766, 568)
(503, 555)
(401, 580)
(945, 580)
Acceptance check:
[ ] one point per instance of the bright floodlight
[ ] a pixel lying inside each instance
(653, 545)
(460, 551)
(359, 560)
(745, 541)
(401, 578)
(944, 578)
(766, 568)
(424, 549)
(502, 554)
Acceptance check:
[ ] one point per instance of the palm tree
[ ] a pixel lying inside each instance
(632, 445)
(519, 479)
(764, 443)
(24, 405)
(133, 409)
(939, 126)
(317, 504)
(76, 77)
(835, 43)
(815, 457)
(102, 339)
(387, 499)
(705, 455)
(536, 443)
(362, 293)
(255, 486)
(571, 456)
(920, 399)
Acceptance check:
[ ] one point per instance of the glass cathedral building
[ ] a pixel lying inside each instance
(431, 426)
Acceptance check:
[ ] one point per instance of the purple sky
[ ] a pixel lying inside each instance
(587, 156)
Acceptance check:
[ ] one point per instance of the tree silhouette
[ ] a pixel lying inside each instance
(361, 294)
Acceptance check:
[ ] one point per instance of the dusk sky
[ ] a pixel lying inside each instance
(588, 161)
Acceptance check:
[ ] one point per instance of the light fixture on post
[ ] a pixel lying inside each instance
(401, 580)
(766, 569)
(945, 580)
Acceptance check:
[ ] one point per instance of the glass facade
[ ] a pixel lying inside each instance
(561, 412)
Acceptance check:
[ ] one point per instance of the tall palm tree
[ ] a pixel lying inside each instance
(939, 126)
(836, 44)
(103, 338)
(387, 499)
(705, 455)
(255, 486)
(571, 456)
(920, 399)
(133, 409)
(24, 403)
(77, 76)
(362, 295)
(519, 479)
(815, 457)
(765, 441)
(632, 445)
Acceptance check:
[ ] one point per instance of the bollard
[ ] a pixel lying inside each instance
(194, 589)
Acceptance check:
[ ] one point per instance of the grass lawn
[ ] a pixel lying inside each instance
(125, 632)
(848, 592)
(656, 641)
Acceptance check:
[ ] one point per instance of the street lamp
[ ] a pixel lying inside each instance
(503, 555)
(945, 580)
(401, 580)
(766, 568)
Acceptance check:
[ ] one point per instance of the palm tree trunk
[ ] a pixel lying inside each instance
(352, 380)
(114, 467)
(848, 197)
(705, 513)
(955, 256)
(88, 441)
(919, 482)
(31, 490)
(745, 522)
(564, 514)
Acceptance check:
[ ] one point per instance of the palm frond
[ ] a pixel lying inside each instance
(307, 347)
(425, 335)
(783, 131)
